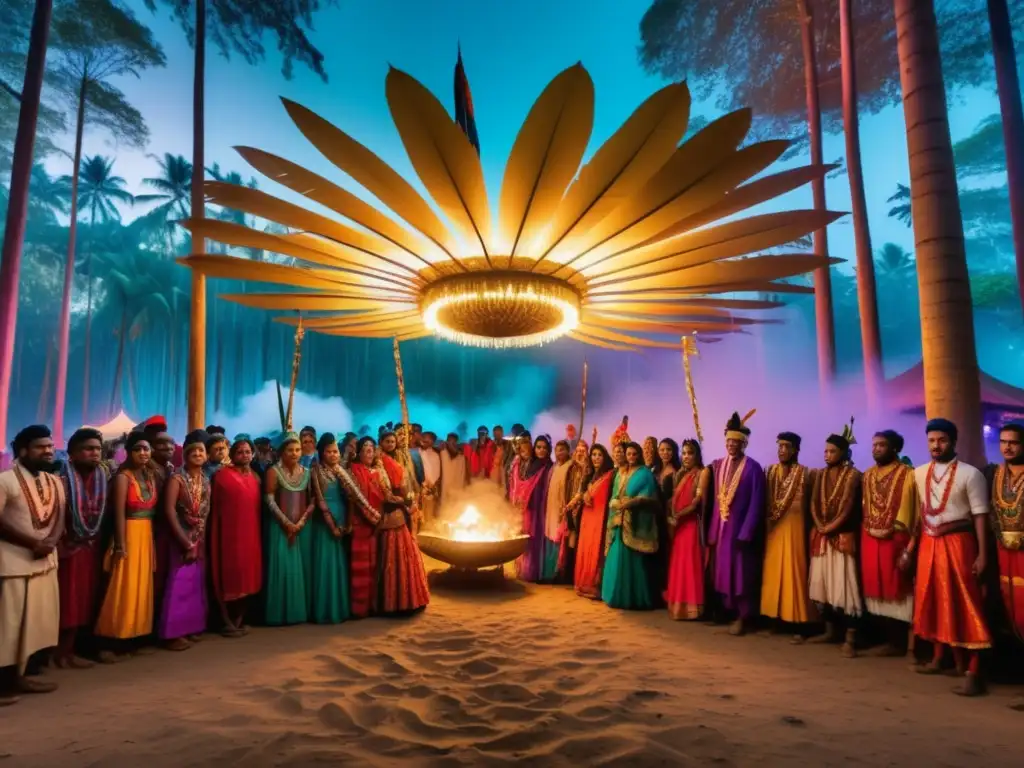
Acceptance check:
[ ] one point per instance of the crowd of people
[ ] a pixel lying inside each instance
(101, 560)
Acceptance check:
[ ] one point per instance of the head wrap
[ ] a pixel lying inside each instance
(942, 425)
(193, 440)
(287, 437)
(134, 438)
(82, 435)
(28, 435)
(620, 435)
(789, 437)
(152, 425)
(893, 438)
(481, 430)
(240, 438)
(844, 440)
(213, 429)
(736, 428)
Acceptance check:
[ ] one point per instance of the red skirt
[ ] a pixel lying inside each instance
(881, 577)
(947, 600)
(363, 567)
(78, 576)
(1011, 585)
(403, 580)
(685, 592)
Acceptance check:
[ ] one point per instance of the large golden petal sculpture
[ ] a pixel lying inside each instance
(621, 253)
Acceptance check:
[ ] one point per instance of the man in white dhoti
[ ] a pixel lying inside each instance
(32, 506)
(454, 470)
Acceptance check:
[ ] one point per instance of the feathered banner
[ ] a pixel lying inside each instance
(690, 348)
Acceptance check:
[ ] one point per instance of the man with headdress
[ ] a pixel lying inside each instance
(891, 506)
(951, 558)
(79, 552)
(735, 525)
(1006, 482)
(160, 440)
(784, 581)
(32, 508)
(836, 513)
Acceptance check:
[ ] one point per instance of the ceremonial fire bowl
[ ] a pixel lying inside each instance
(471, 554)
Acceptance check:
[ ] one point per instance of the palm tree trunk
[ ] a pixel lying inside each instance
(86, 373)
(64, 329)
(952, 387)
(115, 391)
(197, 309)
(17, 205)
(45, 388)
(867, 297)
(1008, 86)
(823, 319)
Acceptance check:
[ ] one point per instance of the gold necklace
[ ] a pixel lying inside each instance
(840, 485)
(726, 493)
(785, 491)
(1003, 481)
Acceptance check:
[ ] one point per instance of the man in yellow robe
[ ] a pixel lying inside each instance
(784, 594)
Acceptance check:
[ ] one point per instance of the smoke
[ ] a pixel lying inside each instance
(258, 414)
(735, 375)
(498, 518)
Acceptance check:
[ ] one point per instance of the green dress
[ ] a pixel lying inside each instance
(330, 590)
(631, 539)
(289, 564)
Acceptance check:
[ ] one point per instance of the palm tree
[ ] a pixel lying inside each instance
(894, 262)
(99, 192)
(867, 297)
(951, 383)
(173, 188)
(49, 195)
(17, 206)
(901, 210)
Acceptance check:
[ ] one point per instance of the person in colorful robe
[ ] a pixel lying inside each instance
(431, 488)
(593, 522)
(575, 479)
(400, 583)
(666, 465)
(364, 519)
(554, 511)
(891, 511)
(236, 549)
(784, 596)
(32, 512)
(186, 508)
(951, 558)
(330, 563)
(836, 510)
(684, 592)
(480, 454)
(396, 446)
(1006, 482)
(632, 536)
(736, 521)
(126, 614)
(307, 445)
(289, 551)
(80, 550)
(528, 494)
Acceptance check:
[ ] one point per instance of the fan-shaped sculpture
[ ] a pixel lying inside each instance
(471, 554)
(618, 253)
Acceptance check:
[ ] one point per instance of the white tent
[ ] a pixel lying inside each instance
(117, 426)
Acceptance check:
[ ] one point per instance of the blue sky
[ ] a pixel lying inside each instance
(511, 50)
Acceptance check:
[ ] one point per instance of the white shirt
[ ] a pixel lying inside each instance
(431, 465)
(968, 496)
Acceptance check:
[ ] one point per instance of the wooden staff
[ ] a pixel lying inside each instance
(296, 360)
(583, 402)
(690, 348)
(400, 376)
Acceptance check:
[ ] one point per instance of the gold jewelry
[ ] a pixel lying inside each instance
(784, 492)
(727, 493)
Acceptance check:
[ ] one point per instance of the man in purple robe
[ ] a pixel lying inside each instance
(736, 523)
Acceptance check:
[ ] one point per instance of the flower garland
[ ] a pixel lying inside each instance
(929, 480)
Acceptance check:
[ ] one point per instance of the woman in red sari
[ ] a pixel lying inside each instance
(236, 552)
(685, 592)
(366, 499)
(593, 519)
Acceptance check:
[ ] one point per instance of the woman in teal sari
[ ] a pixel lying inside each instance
(632, 535)
(330, 591)
(289, 550)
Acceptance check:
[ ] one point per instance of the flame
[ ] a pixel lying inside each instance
(471, 526)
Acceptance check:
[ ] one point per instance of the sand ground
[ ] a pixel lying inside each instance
(531, 674)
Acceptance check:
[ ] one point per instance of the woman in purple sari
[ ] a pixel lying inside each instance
(528, 490)
(186, 504)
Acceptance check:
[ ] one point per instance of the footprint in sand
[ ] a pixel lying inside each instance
(504, 693)
(479, 668)
(334, 716)
(385, 691)
(336, 666)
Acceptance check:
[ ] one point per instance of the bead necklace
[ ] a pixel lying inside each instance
(40, 496)
(785, 491)
(929, 492)
(880, 490)
(840, 485)
(1007, 491)
(726, 493)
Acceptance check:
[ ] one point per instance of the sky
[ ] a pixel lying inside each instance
(511, 51)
